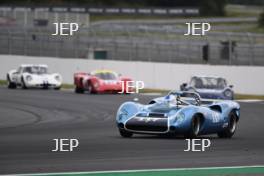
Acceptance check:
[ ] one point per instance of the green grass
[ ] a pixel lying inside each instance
(241, 14)
(180, 172)
(237, 96)
(161, 91)
(243, 96)
(256, 29)
(3, 82)
(242, 11)
(147, 90)
(67, 86)
(64, 86)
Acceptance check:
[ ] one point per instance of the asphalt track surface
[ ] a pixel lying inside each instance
(30, 119)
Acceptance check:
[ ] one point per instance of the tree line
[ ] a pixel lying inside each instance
(207, 7)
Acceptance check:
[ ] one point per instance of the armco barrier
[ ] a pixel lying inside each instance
(246, 79)
(180, 11)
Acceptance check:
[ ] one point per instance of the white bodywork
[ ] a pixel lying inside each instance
(33, 76)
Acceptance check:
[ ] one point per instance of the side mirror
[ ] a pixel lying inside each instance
(231, 86)
(183, 86)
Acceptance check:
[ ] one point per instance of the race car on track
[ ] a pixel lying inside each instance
(179, 113)
(209, 87)
(33, 76)
(102, 81)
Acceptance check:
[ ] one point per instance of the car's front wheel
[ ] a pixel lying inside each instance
(23, 84)
(125, 134)
(57, 88)
(229, 131)
(194, 128)
(90, 88)
(10, 84)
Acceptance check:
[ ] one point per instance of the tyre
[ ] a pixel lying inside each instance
(228, 94)
(57, 88)
(195, 127)
(90, 89)
(230, 130)
(10, 84)
(45, 87)
(125, 134)
(23, 84)
(79, 90)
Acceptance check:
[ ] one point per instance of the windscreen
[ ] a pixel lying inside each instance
(36, 70)
(106, 76)
(208, 83)
(185, 98)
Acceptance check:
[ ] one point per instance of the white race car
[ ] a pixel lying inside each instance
(33, 76)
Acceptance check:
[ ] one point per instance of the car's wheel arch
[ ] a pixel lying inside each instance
(90, 82)
(201, 116)
(236, 113)
(8, 77)
(23, 81)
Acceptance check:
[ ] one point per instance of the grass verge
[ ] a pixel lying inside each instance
(3, 82)
(219, 171)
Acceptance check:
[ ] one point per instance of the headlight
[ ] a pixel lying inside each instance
(228, 93)
(29, 78)
(179, 117)
(58, 78)
(122, 114)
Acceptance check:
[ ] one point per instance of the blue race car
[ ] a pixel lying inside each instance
(179, 113)
(209, 87)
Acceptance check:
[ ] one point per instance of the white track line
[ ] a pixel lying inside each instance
(135, 171)
(250, 100)
(151, 94)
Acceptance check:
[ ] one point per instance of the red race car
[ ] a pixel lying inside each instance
(102, 81)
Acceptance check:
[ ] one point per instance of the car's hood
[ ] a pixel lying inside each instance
(42, 76)
(210, 91)
(161, 107)
(110, 82)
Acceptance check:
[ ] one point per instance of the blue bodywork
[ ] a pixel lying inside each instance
(205, 87)
(171, 114)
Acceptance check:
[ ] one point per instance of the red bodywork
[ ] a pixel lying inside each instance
(93, 84)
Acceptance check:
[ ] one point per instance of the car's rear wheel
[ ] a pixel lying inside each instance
(194, 128)
(10, 84)
(79, 90)
(125, 134)
(57, 88)
(230, 130)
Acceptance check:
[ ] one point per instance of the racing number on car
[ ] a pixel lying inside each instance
(215, 117)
